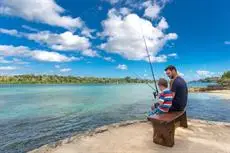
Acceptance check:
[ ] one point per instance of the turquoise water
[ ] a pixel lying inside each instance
(34, 115)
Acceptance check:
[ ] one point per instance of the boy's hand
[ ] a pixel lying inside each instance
(161, 102)
(153, 107)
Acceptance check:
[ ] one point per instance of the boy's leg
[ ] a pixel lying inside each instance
(158, 111)
(150, 113)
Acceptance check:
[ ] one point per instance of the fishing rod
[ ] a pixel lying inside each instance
(156, 92)
(139, 77)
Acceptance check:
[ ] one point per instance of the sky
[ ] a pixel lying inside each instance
(105, 38)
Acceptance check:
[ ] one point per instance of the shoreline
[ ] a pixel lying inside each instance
(223, 94)
(74, 140)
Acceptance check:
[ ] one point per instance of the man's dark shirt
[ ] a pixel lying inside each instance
(179, 102)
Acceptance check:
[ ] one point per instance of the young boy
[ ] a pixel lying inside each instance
(165, 99)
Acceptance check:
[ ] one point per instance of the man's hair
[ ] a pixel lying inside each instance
(163, 82)
(171, 67)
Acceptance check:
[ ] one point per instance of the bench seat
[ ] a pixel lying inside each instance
(164, 126)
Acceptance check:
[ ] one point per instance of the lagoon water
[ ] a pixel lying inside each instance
(34, 115)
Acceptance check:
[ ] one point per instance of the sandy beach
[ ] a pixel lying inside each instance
(136, 137)
(225, 94)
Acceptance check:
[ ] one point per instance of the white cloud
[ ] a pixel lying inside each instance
(90, 53)
(125, 11)
(227, 42)
(40, 55)
(163, 24)
(12, 32)
(161, 58)
(65, 70)
(181, 74)
(124, 36)
(88, 32)
(18, 61)
(44, 11)
(9, 50)
(158, 59)
(29, 28)
(65, 41)
(14, 61)
(173, 55)
(4, 61)
(204, 73)
(109, 59)
(7, 68)
(51, 56)
(112, 1)
(122, 67)
(152, 10)
(134, 4)
(171, 36)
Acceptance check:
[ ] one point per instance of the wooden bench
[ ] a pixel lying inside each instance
(164, 126)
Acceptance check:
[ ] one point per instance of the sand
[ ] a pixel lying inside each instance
(201, 136)
(224, 94)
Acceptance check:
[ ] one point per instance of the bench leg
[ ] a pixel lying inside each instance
(183, 121)
(164, 134)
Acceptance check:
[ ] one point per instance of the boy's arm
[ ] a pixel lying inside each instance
(173, 94)
(168, 97)
(161, 99)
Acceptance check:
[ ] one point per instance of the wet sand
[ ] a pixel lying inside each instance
(136, 137)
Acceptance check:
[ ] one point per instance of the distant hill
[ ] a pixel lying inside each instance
(223, 81)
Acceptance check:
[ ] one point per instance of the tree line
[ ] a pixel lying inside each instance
(56, 79)
(225, 79)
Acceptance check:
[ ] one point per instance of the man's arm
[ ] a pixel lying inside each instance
(173, 88)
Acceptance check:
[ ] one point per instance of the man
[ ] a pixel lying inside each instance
(179, 89)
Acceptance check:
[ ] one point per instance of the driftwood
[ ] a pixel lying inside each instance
(164, 126)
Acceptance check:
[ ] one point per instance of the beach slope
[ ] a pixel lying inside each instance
(136, 137)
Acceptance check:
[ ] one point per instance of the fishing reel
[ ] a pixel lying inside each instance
(155, 94)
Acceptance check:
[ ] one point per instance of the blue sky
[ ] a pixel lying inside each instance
(103, 38)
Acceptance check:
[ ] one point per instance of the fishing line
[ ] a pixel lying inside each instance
(139, 77)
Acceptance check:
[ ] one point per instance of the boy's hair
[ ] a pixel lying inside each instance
(171, 67)
(163, 82)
